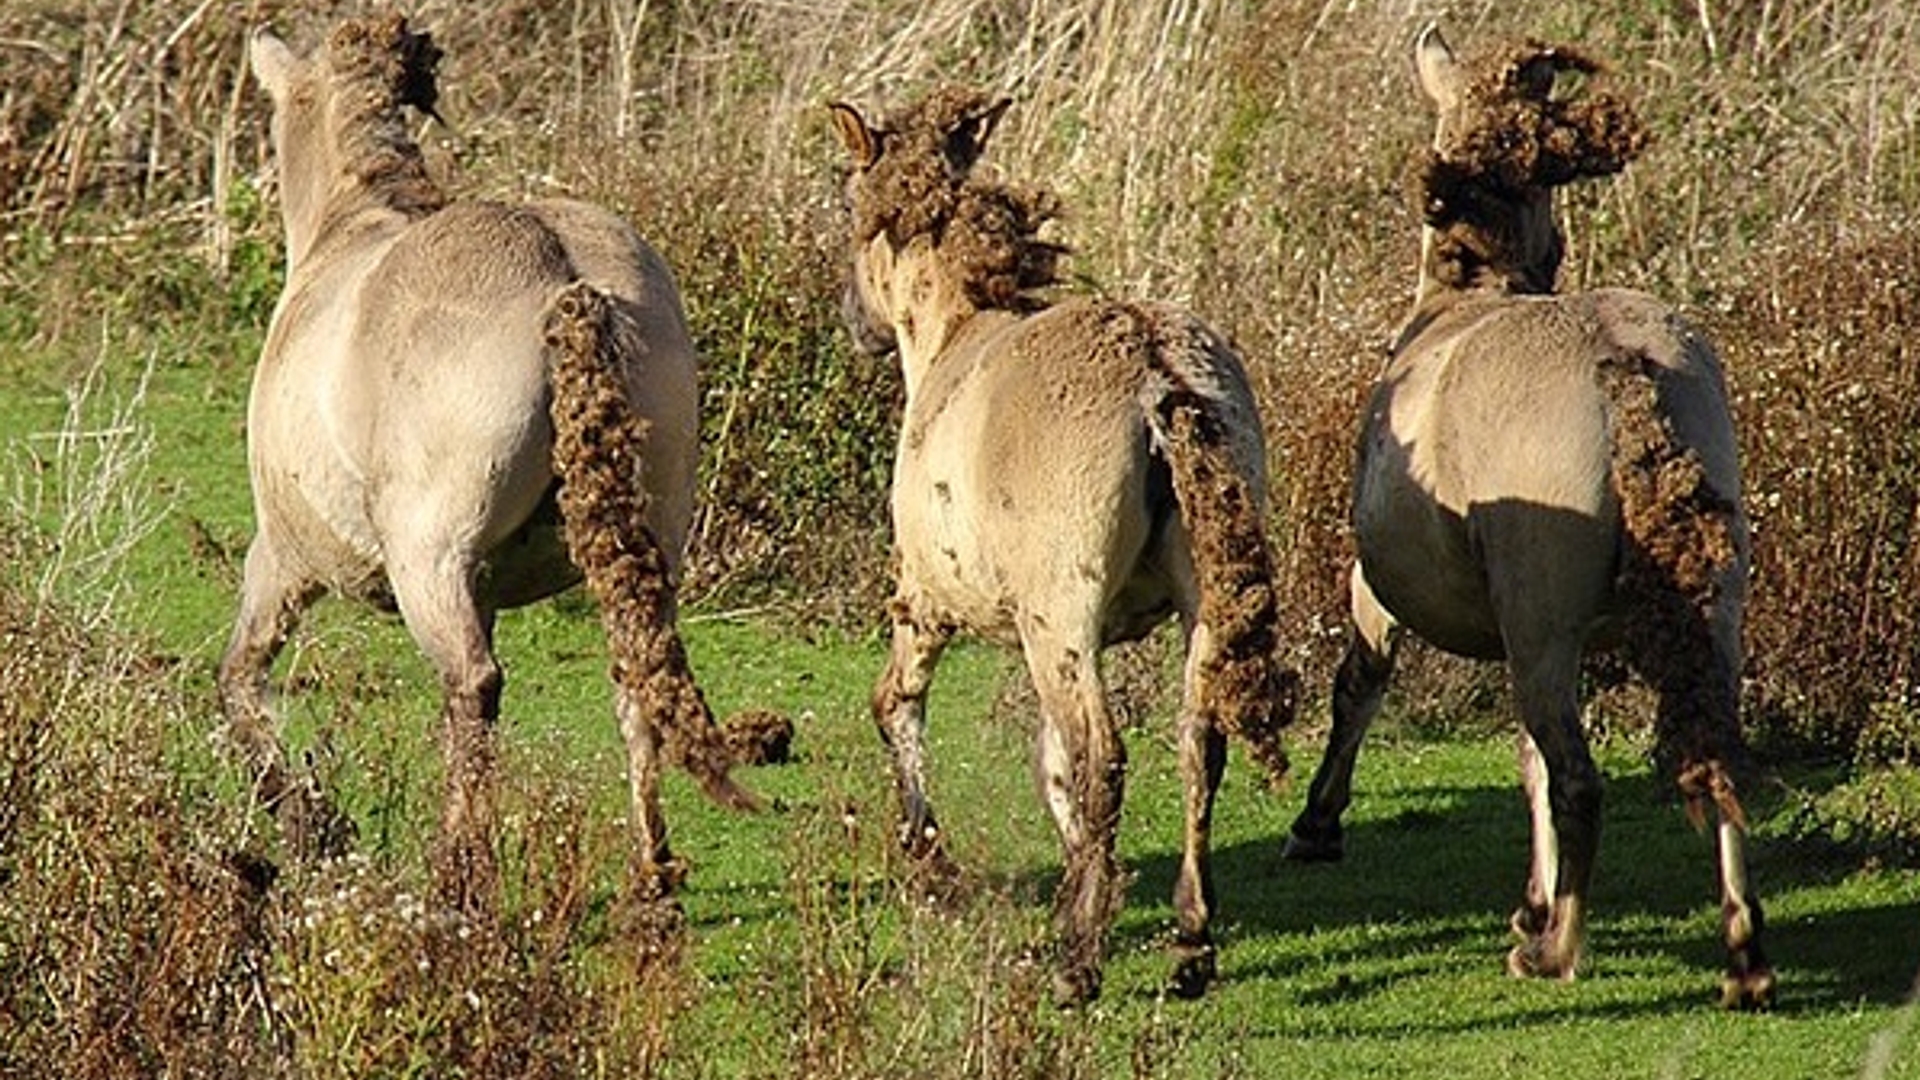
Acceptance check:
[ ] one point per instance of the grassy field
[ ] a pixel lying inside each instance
(806, 958)
(1245, 156)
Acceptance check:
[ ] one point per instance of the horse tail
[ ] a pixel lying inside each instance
(1205, 426)
(1681, 548)
(599, 455)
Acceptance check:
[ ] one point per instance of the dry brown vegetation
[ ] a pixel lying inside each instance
(1249, 159)
(143, 933)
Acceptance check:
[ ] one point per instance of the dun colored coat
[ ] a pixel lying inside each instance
(460, 407)
(1067, 476)
(1542, 474)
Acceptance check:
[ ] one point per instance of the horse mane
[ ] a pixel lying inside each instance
(377, 66)
(988, 228)
(1514, 139)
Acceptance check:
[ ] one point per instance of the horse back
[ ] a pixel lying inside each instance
(476, 280)
(1492, 434)
(404, 390)
(1026, 475)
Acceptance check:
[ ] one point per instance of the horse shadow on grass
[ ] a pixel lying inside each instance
(1431, 887)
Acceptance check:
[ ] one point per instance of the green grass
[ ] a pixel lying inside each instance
(1387, 965)
(803, 952)
(805, 960)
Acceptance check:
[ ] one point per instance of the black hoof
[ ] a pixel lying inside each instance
(936, 882)
(1194, 970)
(1750, 991)
(1074, 988)
(1529, 921)
(1314, 843)
(654, 927)
(1535, 959)
(315, 830)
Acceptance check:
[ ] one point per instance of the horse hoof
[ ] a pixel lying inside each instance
(466, 877)
(1529, 921)
(1074, 988)
(1194, 970)
(1531, 960)
(654, 927)
(1523, 962)
(934, 881)
(1748, 991)
(1311, 844)
(316, 831)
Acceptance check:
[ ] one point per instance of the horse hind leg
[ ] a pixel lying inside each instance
(1203, 760)
(271, 603)
(1698, 727)
(655, 917)
(1530, 919)
(1359, 687)
(438, 602)
(1564, 789)
(1749, 980)
(1686, 646)
(1081, 766)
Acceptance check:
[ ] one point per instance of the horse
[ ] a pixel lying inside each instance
(1067, 475)
(1541, 475)
(461, 407)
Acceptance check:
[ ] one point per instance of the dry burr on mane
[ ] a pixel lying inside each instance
(1516, 135)
(392, 63)
(988, 229)
(1510, 137)
(378, 66)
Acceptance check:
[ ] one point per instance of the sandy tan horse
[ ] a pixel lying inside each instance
(1067, 476)
(442, 386)
(1541, 474)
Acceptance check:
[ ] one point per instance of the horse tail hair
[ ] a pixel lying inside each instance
(1681, 549)
(599, 450)
(1204, 425)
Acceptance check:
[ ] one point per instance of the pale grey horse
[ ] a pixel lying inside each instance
(443, 385)
(1067, 476)
(1542, 474)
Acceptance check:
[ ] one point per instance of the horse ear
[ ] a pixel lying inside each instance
(968, 139)
(1439, 72)
(861, 141)
(272, 62)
